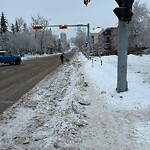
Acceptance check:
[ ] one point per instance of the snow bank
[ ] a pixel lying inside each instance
(105, 79)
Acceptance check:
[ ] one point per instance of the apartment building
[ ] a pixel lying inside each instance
(108, 41)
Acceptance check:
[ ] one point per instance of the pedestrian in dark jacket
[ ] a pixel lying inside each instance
(62, 58)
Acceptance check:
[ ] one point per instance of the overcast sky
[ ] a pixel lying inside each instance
(99, 13)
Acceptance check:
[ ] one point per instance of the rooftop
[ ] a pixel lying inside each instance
(96, 30)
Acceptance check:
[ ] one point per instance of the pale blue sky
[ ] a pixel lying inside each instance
(97, 13)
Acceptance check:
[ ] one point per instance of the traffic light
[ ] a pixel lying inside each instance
(124, 11)
(63, 27)
(86, 2)
(86, 44)
(35, 27)
(125, 3)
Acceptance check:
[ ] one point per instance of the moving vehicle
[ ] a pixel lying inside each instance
(8, 58)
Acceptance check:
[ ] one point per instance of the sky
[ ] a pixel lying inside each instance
(77, 107)
(99, 13)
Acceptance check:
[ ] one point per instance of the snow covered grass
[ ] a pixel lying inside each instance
(136, 101)
(138, 77)
(77, 107)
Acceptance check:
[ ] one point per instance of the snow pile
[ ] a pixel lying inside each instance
(50, 116)
(28, 56)
(77, 107)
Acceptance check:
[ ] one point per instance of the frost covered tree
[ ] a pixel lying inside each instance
(16, 26)
(4, 26)
(48, 42)
(80, 38)
(23, 39)
(139, 28)
(19, 24)
(39, 34)
(4, 37)
(12, 28)
(24, 26)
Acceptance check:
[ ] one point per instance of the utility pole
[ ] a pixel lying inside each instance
(124, 14)
(88, 38)
(122, 84)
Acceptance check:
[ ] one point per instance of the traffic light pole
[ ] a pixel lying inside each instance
(88, 38)
(122, 84)
(69, 25)
(79, 25)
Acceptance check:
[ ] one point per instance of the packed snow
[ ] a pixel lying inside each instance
(77, 107)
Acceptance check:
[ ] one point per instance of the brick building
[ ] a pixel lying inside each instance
(108, 41)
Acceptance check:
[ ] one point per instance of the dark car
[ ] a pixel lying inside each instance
(7, 58)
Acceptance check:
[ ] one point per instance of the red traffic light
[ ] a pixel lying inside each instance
(60, 27)
(63, 27)
(37, 27)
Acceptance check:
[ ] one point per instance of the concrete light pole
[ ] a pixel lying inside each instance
(124, 14)
(88, 38)
(122, 84)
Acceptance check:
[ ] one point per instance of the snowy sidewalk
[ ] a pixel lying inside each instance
(68, 111)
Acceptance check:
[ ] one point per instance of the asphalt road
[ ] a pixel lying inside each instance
(16, 80)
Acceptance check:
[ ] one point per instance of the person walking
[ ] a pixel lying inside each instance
(62, 58)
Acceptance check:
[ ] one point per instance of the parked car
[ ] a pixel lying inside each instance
(8, 58)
